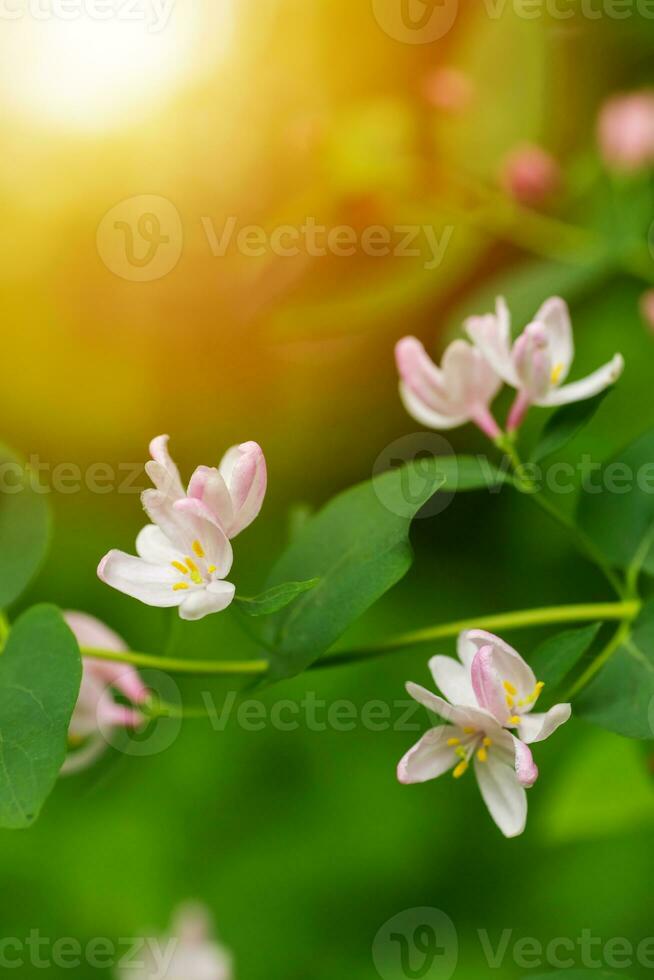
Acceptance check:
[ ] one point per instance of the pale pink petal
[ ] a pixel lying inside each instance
(244, 470)
(153, 546)
(525, 768)
(430, 757)
(121, 676)
(421, 377)
(488, 686)
(464, 717)
(453, 680)
(503, 794)
(151, 584)
(507, 662)
(533, 362)
(491, 335)
(84, 757)
(112, 715)
(202, 527)
(208, 485)
(91, 632)
(421, 412)
(214, 598)
(555, 317)
(537, 727)
(162, 470)
(588, 387)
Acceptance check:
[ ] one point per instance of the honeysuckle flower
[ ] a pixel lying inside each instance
(530, 174)
(460, 391)
(189, 953)
(491, 692)
(183, 558)
(96, 711)
(539, 361)
(449, 89)
(234, 491)
(625, 131)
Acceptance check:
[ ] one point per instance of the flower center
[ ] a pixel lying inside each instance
(189, 568)
(514, 705)
(465, 748)
(557, 371)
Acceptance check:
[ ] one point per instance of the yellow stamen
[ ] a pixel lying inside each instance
(460, 770)
(469, 730)
(198, 549)
(557, 371)
(461, 752)
(180, 568)
(488, 742)
(194, 570)
(179, 586)
(212, 568)
(514, 720)
(510, 702)
(509, 688)
(454, 741)
(482, 755)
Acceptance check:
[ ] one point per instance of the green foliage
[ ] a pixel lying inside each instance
(558, 655)
(581, 975)
(358, 546)
(618, 512)
(565, 424)
(274, 599)
(24, 528)
(621, 697)
(40, 676)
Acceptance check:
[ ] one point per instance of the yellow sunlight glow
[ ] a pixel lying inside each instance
(93, 73)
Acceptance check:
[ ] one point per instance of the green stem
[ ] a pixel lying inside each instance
(588, 612)
(4, 629)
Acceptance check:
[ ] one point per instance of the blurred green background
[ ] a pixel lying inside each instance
(302, 843)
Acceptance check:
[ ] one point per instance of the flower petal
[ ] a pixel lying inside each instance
(429, 758)
(152, 545)
(91, 632)
(506, 661)
(208, 485)
(525, 768)
(421, 376)
(243, 469)
(453, 680)
(214, 598)
(537, 727)
(464, 717)
(421, 412)
(162, 470)
(491, 335)
(202, 526)
(555, 317)
(579, 391)
(502, 793)
(83, 758)
(470, 381)
(151, 584)
(488, 686)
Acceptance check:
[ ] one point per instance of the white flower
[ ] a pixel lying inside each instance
(190, 953)
(539, 361)
(460, 391)
(491, 692)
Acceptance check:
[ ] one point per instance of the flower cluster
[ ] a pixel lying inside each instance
(185, 554)
(471, 374)
(489, 721)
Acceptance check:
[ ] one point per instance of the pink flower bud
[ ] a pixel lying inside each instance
(449, 89)
(625, 131)
(530, 174)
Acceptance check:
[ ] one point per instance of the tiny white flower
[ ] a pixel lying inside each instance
(539, 361)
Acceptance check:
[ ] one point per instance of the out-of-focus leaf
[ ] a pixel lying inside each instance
(617, 507)
(556, 657)
(621, 697)
(566, 423)
(601, 788)
(40, 675)
(272, 600)
(358, 546)
(579, 975)
(24, 527)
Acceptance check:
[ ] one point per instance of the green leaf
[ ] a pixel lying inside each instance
(40, 676)
(556, 657)
(565, 424)
(272, 600)
(617, 506)
(579, 975)
(358, 546)
(24, 528)
(621, 697)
